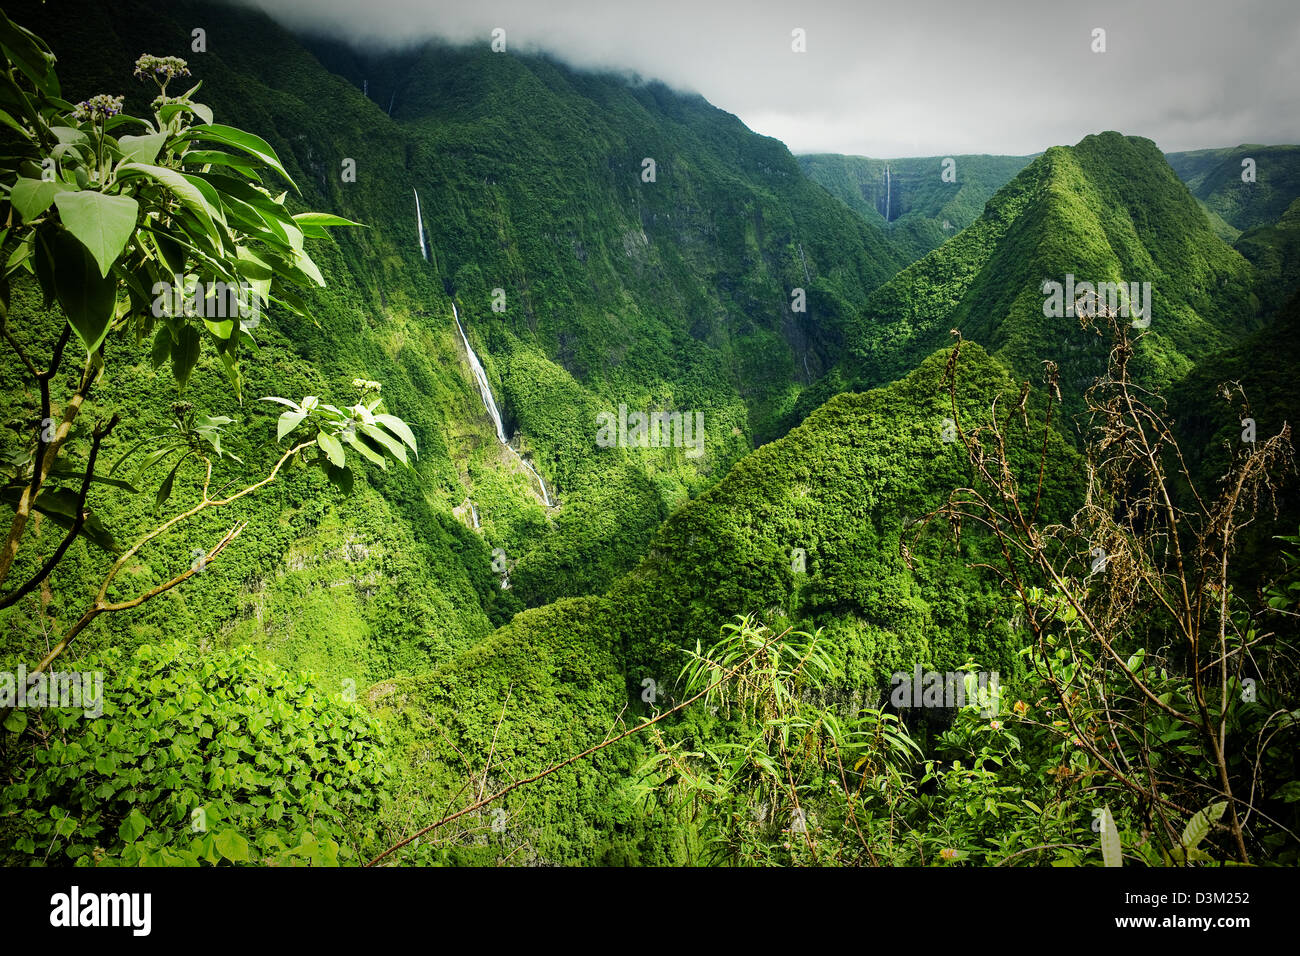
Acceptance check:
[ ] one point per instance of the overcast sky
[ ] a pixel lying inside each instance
(906, 77)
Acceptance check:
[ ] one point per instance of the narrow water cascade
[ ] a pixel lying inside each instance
(419, 225)
(888, 190)
(485, 392)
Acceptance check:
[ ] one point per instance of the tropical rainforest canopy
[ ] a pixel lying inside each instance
(315, 551)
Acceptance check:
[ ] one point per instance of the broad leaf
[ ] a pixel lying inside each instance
(232, 846)
(103, 223)
(398, 428)
(87, 297)
(1199, 825)
(253, 145)
(31, 197)
(141, 149)
(185, 352)
(333, 450)
(287, 423)
(190, 195)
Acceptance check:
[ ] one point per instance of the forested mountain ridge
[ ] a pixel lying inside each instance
(1242, 187)
(671, 294)
(927, 200)
(807, 530)
(495, 656)
(1108, 209)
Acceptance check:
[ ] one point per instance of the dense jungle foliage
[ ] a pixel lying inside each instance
(365, 636)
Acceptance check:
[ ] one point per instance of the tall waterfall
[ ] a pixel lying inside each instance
(485, 392)
(888, 189)
(419, 225)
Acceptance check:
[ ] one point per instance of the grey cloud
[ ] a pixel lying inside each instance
(926, 77)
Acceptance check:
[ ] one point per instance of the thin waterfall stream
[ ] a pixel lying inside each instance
(419, 225)
(485, 392)
(888, 190)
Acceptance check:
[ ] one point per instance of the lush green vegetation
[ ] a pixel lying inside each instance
(1108, 209)
(1274, 250)
(1235, 205)
(199, 758)
(925, 209)
(693, 660)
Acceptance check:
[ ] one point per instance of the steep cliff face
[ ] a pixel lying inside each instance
(606, 241)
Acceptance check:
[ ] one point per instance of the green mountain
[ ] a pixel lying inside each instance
(807, 530)
(1274, 250)
(1108, 209)
(670, 294)
(1215, 177)
(612, 246)
(922, 202)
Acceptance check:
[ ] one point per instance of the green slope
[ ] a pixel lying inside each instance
(1210, 411)
(1106, 210)
(672, 294)
(925, 210)
(1214, 177)
(1274, 250)
(840, 487)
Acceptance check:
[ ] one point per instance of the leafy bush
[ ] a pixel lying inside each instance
(196, 759)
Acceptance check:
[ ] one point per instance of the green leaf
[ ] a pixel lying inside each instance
(323, 219)
(16, 722)
(141, 149)
(103, 223)
(400, 429)
(133, 826)
(253, 145)
(393, 446)
(171, 251)
(283, 401)
(1199, 825)
(313, 224)
(198, 109)
(14, 125)
(212, 157)
(190, 195)
(185, 353)
(165, 489)
(374, 457)
(31, 197)
(60, 506)
(30, 54)
(287, 423)
(333, 450)
(79, 476)
(308, 267)
(232, 846)
(340, 478)
(87, 297)
(162, 347)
